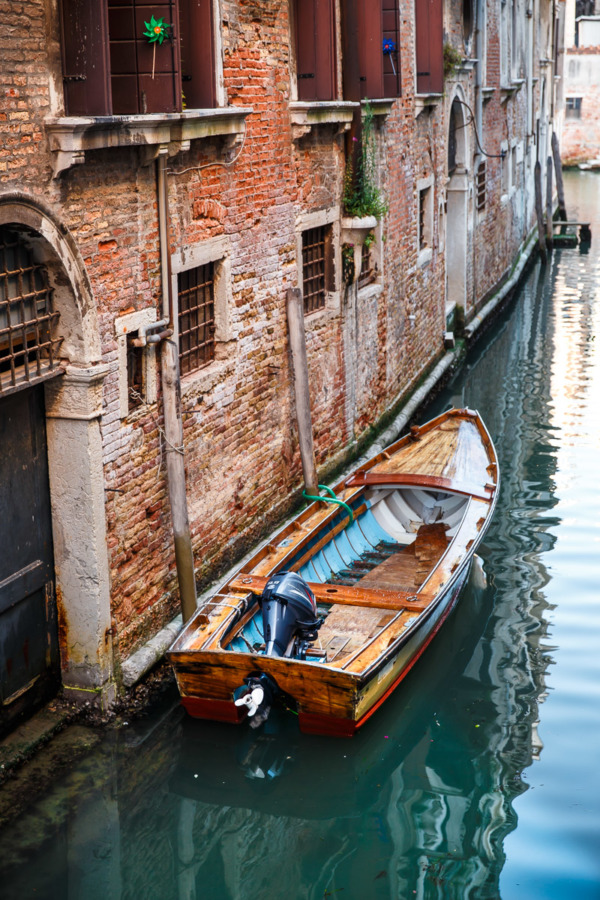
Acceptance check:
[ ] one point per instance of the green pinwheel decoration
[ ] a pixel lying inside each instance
(156, 30)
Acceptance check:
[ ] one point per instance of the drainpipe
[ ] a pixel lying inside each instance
(479, 75)
(184, 559)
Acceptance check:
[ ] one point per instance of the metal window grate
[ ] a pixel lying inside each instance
(480, 186)
(314, 252)
(573, 107)
(28, 350)
(196, 293)
(423, 243)
(367, 271)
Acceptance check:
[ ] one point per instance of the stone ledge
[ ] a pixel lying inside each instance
(509, 90)
(426, 102)
(72, 136)
(306, 115)
(380, 107)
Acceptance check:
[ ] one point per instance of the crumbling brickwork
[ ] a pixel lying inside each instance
(249, 195)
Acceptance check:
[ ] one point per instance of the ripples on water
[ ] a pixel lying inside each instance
(479, 778)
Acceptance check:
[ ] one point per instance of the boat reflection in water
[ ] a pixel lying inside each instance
(405, 810)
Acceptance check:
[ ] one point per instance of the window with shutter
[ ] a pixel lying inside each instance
(379, 56)
(429, 33)
(197, 56)
(110, 67)
(370, 49)
(315, 49)
(391, 39)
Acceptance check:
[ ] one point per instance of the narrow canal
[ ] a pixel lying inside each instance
(480, 777)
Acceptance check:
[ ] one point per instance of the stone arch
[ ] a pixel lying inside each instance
(55, 247)
(75, 461)
(458, 142)
(457, 190)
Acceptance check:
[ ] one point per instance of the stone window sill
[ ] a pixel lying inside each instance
(204, 380)
(380, 107)
(424, 258)
(487, 93)
(72, 136)
(509, 90)
(370, 291)
(467, 65)
(426, 101)
(319, 317)
(305, 116)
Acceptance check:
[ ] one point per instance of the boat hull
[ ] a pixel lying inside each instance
(328, 703)
(386, 569)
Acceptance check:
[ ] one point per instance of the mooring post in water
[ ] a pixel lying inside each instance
(184, 557)
(549, 204)
(173, 436)
(560, 187)
(539, 210)
(295, 316)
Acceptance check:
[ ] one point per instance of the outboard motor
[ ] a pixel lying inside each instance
(289, 612)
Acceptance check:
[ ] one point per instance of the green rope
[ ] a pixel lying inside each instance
(331, 499)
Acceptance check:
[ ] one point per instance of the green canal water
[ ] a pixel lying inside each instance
(480, 777)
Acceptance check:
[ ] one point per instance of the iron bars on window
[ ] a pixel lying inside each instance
(28, 348)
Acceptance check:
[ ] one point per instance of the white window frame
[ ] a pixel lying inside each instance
(425, 253)
(217, 251)
(125, 325)
(323, 217)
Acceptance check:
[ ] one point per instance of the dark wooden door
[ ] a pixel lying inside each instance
(29, 658)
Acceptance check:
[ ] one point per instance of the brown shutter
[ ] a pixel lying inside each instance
(315, 49)
(391, 32)
(370, 48)
(84, 40)
(197, 53)
(135, 89)
(429, 28)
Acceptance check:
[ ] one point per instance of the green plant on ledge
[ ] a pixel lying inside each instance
(362, 197)
(348, 263)
(452, 60)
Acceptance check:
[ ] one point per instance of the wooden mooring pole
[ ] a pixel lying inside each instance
(295, 316)
(173, 437)
(539, 210)
(173, 431)
(549, 206)
(560, 188)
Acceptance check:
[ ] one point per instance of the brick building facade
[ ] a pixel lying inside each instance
(581, 130)
(250, 109)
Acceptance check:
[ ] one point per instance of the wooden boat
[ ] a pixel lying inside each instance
(384, 558)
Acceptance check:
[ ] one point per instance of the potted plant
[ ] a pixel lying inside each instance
(363, 201)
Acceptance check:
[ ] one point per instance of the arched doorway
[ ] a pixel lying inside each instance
(29, 654)
(456, 209)
(54, 591)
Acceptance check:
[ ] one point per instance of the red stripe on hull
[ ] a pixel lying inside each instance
(315, 723)
(217, 710)
(312, 723)
(333, 727)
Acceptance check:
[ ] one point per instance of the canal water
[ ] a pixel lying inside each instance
(480, 777)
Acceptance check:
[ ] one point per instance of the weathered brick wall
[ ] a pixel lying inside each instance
(241, 448)
(581, 135)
